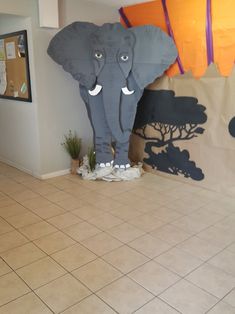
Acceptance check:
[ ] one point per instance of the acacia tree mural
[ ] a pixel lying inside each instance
(162, 120)
(231, 127)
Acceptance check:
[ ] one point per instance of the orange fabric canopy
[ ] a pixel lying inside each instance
(188, 21)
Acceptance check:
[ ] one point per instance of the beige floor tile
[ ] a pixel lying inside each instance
(64, 220)
(29, 304)
(97, 274)
(128, 198)
(222, 308)
(5, 227)
(145, 205)
(208, 216)
(57, 196)
(96, 197)
(6, 201)
(113, 189)
(231, 247)
(12, 210)
(125, 259)
(79, 192)
(81, 231)
(105, 221)
(171, 234)
(178, 261)
(74, 257)
(227, 223)
(153, 277)
(36, 202)
(165, 214)
(22, 255)
(191, 224)
(40, 272)
(213, 280)
(149, 246)
(91, 305)
(49, 211)
(23, 220)
(70, 203)
(219, 208)
(62, 293)
(126, 212)
(54, 242)
(4, 268)
(230, 298)
(146, 222)
(10, 187)
(187, 298)
(125, 232)
(11, 240)
(106, 204)
(159, 197)
(156, 306)
(87, 212)
(217, 236)
(101, 243)
(199, 248)
(185, 207)
(24, 195)
(124, 295)
(225, 261)
(37, 230)
(11, 287)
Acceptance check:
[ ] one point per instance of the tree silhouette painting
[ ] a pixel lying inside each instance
(170, 119)
(231, 127)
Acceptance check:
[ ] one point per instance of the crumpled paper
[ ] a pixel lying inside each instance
(109, 173)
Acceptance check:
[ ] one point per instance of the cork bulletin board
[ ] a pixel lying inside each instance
(14, 67)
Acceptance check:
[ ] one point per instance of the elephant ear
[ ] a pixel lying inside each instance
(71, 48)
(154, 52)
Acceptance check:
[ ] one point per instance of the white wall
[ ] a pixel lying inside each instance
(57, 106)
(19, 140)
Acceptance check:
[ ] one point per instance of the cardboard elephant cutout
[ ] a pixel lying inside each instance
(113, 65)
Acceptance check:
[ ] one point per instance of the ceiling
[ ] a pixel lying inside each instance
(119, 3)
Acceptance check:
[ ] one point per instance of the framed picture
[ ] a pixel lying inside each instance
(14, 67)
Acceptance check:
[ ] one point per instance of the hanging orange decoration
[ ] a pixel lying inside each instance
(203, 31)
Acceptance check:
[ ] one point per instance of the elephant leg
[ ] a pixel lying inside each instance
(102, 134)
(121, 154)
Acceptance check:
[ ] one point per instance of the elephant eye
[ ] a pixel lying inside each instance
(98, 55)
(124, 57)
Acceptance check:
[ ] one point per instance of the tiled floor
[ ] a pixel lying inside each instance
(151, 246)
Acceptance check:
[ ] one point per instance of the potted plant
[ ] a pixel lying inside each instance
(72, 145)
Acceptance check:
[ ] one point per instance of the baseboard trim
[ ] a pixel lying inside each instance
(15, 165)
(53, 174)
(36, 175)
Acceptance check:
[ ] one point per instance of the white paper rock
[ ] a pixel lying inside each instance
(109, 173)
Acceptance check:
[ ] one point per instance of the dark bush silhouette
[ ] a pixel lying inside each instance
(231, 127)
(172, 119)
(173, 161)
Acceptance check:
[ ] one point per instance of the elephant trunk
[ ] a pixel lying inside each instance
(112, 86)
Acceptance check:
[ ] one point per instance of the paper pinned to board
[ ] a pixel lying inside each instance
(10, 50)
(3, 77)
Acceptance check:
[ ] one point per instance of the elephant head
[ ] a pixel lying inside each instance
(115, 62)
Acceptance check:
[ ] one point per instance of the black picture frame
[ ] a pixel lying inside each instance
(14, 58)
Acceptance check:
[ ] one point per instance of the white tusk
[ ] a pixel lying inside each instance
(126, 91)
(95, 91)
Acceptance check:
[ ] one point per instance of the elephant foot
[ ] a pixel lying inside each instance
(126, 166)
(107, 164)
